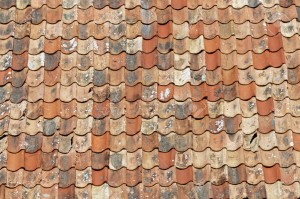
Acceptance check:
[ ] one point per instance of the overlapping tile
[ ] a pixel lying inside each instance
(149, 99)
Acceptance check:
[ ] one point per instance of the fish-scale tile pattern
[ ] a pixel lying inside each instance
(149, 99)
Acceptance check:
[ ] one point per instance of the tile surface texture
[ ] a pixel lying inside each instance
(149, 99)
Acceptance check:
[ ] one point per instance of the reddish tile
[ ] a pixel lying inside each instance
(178, 4)
(272, 174)
(164, 30)
(32, 160)
(15, 161)
(212, 45)
(166, 159)
(265, 107)
(133, 126)
(68, 192)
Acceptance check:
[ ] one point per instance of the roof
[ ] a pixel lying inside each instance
(149, 99)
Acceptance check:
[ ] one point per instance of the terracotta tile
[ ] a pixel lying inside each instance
(52, 60)
(54, 4)
(289, 44)
(285, 4)
(272, 174)
(5, 92)
(149, 142)
(176, 4)
(210, 15)
(39, 14)
(133, 93)
(49, 160)
(6, 61)
(117, 61)
(212, 45)
(18, 78)
(195, 30)
(68, 192)
(275, 43)
(211, 30)
(32, 160)
(51, 46)
(212, 60)
(84, 192)
(221, 190)
(67, 178)
(70, 33)
(34, 110)
(96, 147)
(100, 160)
(265, 107)
(85, 15)
(54, 15)
(38, 30)
(150, 45)
(33, 143)
(292, 59)
(8, 15)
(12, 193)
(53, 30)
(209, 4)
(6, 30)
(151, 176)
(133, 126)
(165, 30)
(82, 143)
(165, 61)
(22, 15)
(85, 4)
(51, 93)
(5, 109)
(7, 4)
(50, 192)
(7, 45)
(135, 61)
(99, 176)
(30, 179)
(50, 143)
(166, 159)
(149, 160)
(66, 161)
(292, 76)
(227, 30)
(15, 161)
(185, 175)
(120, 139)
(133, 109)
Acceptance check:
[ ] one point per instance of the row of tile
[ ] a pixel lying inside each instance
(276, 190)
(164, 143)
(162, 46)
(178, 48)
(181, 110)
(151, 177)
(100, 47)
(162, 4)
(264, 124)
(131, 31)
(122, 63)
(148, 16)
(153, 76)
(114, 32)
(162, 93)
(48, 157)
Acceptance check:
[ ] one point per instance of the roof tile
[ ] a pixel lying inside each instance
(136, 99)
